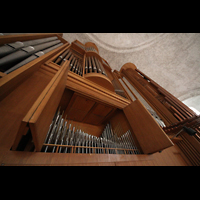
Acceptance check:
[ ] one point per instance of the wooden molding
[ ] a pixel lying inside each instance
(92, 90)
(100, 79)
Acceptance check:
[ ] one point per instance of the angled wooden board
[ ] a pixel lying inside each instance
(149, 134)
(43, 115)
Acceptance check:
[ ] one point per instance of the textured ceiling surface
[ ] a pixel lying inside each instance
(124, 42)
(170, 59)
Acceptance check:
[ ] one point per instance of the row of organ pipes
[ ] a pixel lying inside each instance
(80, 45)
(93, 65)
(124, 82)
(75, 62)
(15, 55)
(86, 48)
(91, 49)
(64, 136)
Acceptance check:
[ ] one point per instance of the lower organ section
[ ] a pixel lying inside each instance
(67, 136)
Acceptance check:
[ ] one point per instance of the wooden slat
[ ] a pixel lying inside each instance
(149, 135)
(190, 156)
(2, 74)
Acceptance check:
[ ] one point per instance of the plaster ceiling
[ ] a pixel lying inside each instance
(124, 42)
(170, 59)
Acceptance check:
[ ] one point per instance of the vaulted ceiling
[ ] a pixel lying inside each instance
(170, 59)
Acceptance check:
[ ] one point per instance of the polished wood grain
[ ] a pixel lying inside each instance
(30, 96)
(149, 135)
(83, 109)
(101, 80)
(168, 157)
(90, 89)
(43, 115)
(17, 103)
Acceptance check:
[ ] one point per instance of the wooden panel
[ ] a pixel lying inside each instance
(78, 107)
(101, 110)
(20, 100)
(149, 135)
(169, 157)
(49, 100)
(93, 119)
(65, 99)
(76, 115)
(62, 159)
(83, 109)
(31, 111)
(81, 103)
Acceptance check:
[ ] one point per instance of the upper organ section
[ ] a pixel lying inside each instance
(86, 62)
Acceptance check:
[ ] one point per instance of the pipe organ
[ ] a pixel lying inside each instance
(62, 103)
(170, 113)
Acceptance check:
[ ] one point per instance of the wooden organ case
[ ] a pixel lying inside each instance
(67, 107)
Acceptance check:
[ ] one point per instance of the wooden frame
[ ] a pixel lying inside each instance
(149, 135)
(43, 110)
(92, 90)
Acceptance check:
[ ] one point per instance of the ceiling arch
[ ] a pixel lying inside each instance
(125, 42)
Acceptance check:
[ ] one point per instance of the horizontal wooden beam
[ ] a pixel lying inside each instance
(94, 91)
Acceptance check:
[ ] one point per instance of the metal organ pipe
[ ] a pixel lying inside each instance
(65, 137)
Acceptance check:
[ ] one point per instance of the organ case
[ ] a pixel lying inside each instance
(77, 80)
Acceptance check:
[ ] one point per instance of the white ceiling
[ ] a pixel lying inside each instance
(170, 59)
(124, 42)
